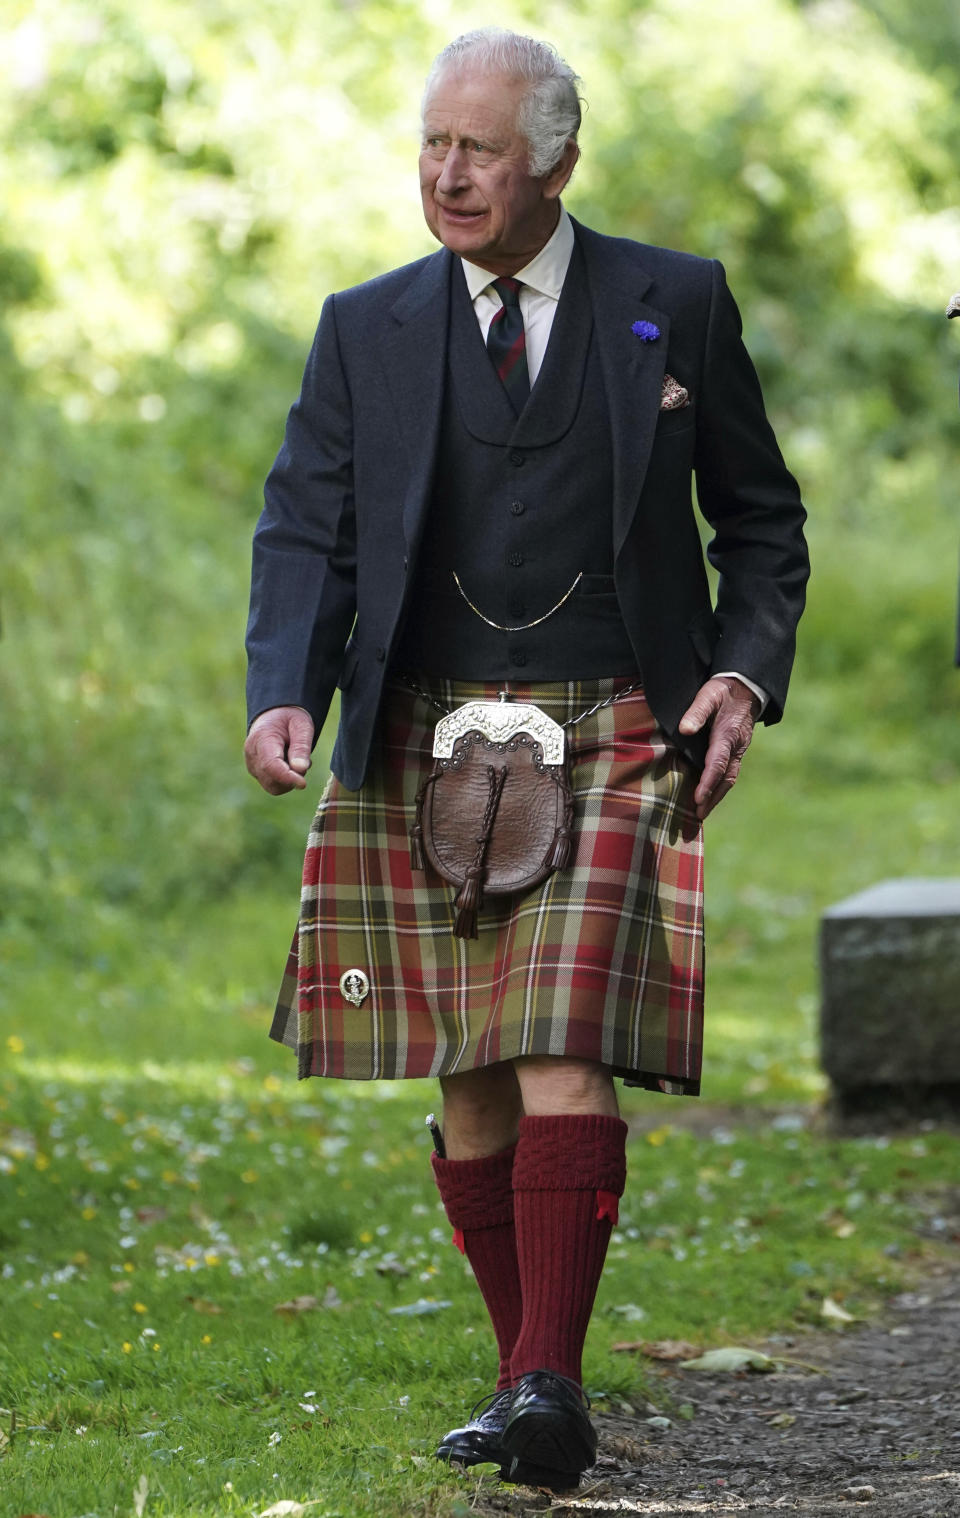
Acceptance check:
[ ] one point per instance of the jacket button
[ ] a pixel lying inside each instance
(380, 653)
(517, 508)
(518, 657)
(515, 560)
(516, 457)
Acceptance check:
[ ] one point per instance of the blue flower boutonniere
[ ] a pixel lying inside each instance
(648, 332)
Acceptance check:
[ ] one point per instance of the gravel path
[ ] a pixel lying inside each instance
(877, 1432)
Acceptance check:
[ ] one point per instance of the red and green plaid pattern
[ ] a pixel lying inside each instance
(507, 343)
(604, 961)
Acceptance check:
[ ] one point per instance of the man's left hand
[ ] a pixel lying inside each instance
(731, 708)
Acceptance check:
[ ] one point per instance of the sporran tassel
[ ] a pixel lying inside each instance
(468, 903)
(560, 857)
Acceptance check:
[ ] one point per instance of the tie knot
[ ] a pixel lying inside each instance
(508, 290)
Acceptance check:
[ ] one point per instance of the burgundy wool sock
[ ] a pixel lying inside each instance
(478, 1198)
(568, 1175)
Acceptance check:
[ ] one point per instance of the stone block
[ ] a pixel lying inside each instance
(890, 987)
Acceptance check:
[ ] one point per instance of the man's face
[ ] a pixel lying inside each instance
(478, 198)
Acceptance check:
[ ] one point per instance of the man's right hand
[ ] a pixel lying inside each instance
(278, 747)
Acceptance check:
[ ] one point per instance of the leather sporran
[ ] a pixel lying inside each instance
(494, 817)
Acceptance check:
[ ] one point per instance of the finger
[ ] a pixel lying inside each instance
(264, 752)
(301, 741)
(702, 707)
(715, 767)
(710, 805)
(708, 796)
(277, 771)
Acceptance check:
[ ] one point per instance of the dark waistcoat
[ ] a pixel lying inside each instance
(521, 506)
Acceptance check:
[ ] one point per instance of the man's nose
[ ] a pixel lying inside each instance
(453, 176)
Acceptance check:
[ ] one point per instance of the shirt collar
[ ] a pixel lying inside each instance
(545, 272)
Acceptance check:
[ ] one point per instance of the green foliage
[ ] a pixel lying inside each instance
(181, 188)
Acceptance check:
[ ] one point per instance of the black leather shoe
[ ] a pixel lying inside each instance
(547, 1439)
(480, 1440)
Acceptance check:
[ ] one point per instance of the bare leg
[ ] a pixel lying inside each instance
(552, 1085)
(481, 1111)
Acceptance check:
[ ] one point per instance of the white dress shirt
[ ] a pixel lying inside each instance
(541, 281)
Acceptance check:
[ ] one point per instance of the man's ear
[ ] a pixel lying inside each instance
(555, 182)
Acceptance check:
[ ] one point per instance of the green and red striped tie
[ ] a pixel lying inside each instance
(507, 343)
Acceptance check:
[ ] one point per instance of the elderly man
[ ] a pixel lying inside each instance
(483, 495)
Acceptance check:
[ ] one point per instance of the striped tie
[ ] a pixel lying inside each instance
(507, 343)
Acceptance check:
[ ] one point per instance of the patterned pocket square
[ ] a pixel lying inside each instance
(673, 396)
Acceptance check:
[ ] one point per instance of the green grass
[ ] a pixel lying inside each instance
(165, 1183)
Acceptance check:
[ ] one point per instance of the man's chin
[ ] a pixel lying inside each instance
(462, 234)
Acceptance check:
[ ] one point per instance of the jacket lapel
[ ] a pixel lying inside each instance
(484, 405)
(414, 355)
(632, 370)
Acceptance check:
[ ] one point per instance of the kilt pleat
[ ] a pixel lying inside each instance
(603, 961)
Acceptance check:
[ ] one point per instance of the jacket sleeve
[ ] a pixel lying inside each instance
(752, 502)
(303, 592)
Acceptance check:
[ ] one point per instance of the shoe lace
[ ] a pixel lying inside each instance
(574, 1386)
(489, 1402)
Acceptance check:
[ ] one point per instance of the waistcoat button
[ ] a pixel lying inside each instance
(518, 657)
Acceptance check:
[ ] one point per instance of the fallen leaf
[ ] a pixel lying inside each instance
(331, 1298)
(391, 1268)
(296, 1306)
(119, 1286)
(834, 1313)
(669, 1349)
(734, 1359)
(151, 1214)
(140, 1493)
(209, 1309)
(782, 1420)
(625, 1448)
(731, 1360)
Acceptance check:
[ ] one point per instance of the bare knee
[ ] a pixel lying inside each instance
(481, 1111)
(552, 1085)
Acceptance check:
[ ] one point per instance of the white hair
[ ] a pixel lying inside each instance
(549, 113)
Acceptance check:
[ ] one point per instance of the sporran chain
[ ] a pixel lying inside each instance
(599, 706)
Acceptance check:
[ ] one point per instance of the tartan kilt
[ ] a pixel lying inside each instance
(603, 961)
